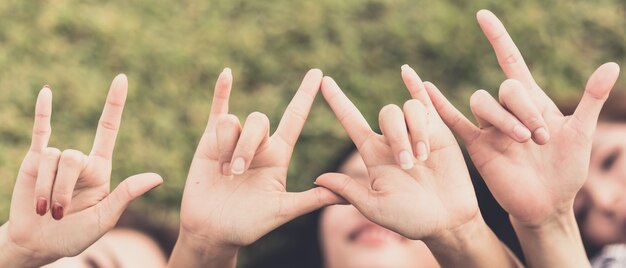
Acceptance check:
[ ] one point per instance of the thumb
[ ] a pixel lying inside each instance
(597, 91)
(298, 204)
(114, 205)
(345, 186)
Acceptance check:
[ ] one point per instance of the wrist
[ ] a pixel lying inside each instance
(471, 244)
(554, 242)
(562, 221)
(460, 236)
(192, 250)
(13, 255)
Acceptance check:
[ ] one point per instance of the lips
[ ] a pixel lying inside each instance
(373, 235)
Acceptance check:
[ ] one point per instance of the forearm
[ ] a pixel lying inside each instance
(554, 243)
(191, 251)
(471, 245)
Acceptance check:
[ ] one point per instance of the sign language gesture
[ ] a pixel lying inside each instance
(236, 188)
(552, 167)
(430, 199)
(62, 202)
(535, 181)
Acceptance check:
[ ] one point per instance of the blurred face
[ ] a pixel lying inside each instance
(118, 248)
(602, 200)
(350, 240)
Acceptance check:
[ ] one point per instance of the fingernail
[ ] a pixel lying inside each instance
(422, 151)
(406, 160)
(57, 211)
(404, 67)
(238, 166)
(542, 135)
(46, 86)
(227, 70)
(521, 132)
(42, 206)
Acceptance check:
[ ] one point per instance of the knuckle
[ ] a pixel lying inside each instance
(72, 158)
(478, 98)
(227, 120)
(412, 104)
(511, 58)
(389, 110)
(106, 124)
(258, 117)
(51, 153)
(534, 121)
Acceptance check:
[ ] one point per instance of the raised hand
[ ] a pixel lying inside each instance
(531, 180)
(535, 181)
(236, 188)
(430, 199)
(74, 186)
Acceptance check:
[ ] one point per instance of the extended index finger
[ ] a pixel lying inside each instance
(221, 95)
(509, 56)
(298, 109)
(111, 118)
(349, 116)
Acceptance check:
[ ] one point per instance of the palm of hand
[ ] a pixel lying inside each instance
(66, 177)
(426, 200)
(236, 210)
(546, 177)
(432, 196)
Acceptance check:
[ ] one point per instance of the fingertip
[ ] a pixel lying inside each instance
(315, 72)
(227, 71)
(483, 13)
(120, 78)
(521, 133)
(541, 136)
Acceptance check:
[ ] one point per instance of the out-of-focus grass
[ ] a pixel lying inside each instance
(172, 52)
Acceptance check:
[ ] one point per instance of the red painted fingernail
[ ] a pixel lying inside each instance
(42, 206)
(57, 211)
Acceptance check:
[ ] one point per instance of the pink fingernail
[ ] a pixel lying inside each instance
(422, 151)
(542, 135)
(406, 160)
(238, 166)
(521, 132)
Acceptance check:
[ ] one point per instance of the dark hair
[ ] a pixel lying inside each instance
(613, 110)
(296, 243)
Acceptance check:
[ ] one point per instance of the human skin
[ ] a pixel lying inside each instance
(76, 187)
(349, 240)
(536, 180)
(117, 248)
(235, 191)
(601, 200)
(431, 199)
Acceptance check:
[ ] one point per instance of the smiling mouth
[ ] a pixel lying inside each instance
(374, 235)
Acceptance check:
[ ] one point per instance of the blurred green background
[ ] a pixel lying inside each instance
(172, 52)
